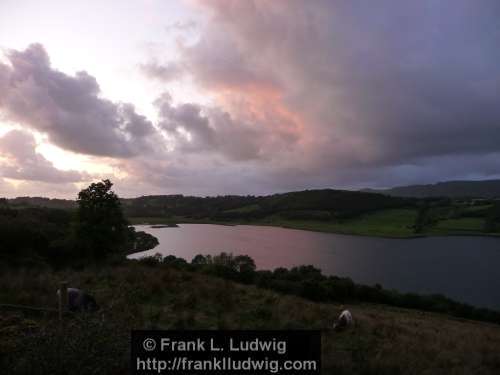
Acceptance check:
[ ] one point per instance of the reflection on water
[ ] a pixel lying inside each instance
(463, 268)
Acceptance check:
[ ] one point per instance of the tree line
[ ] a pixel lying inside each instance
(96, 231)
(325, 204)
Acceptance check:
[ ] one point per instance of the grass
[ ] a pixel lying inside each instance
(384, 341)
(151, 220)
(480, 208)
(463, 225)
(386, 223)
(393, 223)
(245, 209)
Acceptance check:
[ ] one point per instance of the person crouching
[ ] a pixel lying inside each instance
(79, 301)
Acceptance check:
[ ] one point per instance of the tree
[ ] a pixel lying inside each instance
(422, 218)
(101, 227)
(492, 221)
(245, 267)
(244, 264)
(200, 260)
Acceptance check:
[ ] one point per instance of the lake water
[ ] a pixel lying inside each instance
(466, 269)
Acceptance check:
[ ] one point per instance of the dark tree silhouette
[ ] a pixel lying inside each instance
(492, 222)
(244, 264)
(101, 227)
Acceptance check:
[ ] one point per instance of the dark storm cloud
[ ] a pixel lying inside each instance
(67, 108)
(376, 86)
(302, 94)
(20, 161)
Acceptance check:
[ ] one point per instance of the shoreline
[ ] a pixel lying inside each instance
(169, 224)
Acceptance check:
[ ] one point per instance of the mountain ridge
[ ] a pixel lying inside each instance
(487, 189)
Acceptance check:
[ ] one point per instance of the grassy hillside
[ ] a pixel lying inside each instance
(335, 211)
(384, 341)
(454, 219)
(326, 204)
(384, 223)
(23, 202)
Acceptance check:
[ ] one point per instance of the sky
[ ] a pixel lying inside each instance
(212, 97)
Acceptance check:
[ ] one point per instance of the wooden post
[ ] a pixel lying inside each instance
(63, 299)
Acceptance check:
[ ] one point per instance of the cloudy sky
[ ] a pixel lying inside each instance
(246, 97)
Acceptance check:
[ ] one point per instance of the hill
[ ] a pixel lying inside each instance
(308, 204)
(327, 210)
(385, 340)
(23, 202)
(487, 189)
(317, 204)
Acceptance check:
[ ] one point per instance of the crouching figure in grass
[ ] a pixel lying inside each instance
(79, 301)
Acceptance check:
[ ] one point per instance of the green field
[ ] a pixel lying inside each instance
(387, 223)
(394, 223)
(151, 220)
(461, 225)
(245, 209)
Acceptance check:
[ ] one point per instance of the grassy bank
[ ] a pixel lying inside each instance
(387, 223)
(384, 341)
(151, 220)
(392, 223)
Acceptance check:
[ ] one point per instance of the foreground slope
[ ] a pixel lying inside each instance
(384, 341)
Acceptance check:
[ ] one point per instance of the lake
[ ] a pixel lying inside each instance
(466, 269)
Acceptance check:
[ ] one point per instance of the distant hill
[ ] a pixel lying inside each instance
(22, 202)
(318, 202)
(308, 204)
(320, 205)
(395, 213)
(451, 189)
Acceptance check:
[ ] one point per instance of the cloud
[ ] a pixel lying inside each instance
(359, 90)
(164, 73)
(181, 26)
(197, 128)
(20, 161)
(302, 94)
(69, 109)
